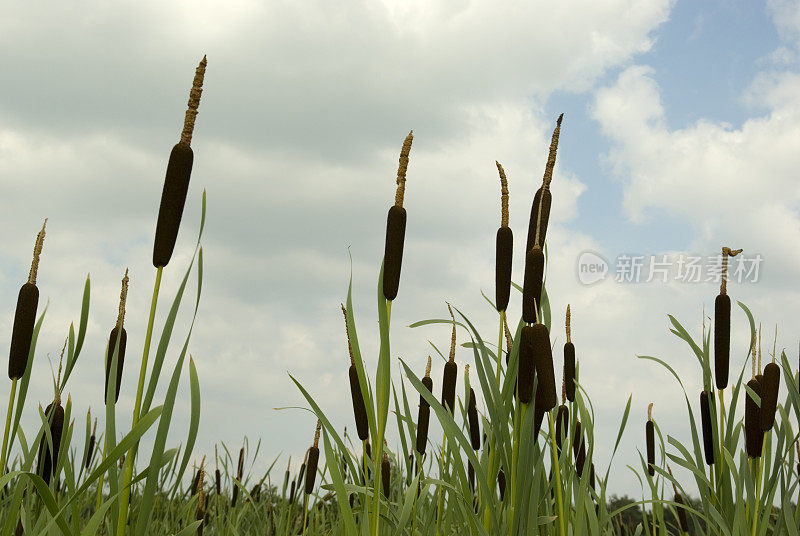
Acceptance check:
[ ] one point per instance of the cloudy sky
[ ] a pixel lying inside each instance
(680, 135)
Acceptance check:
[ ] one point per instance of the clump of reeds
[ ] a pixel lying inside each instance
(118, 332)
(396, 228)
(359, 408)
(423, 418)
(651, 442)
(176, 181)
(504, 248)
(722, 324)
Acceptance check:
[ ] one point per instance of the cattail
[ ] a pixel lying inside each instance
(526, 365)
(200, 514)
(651, 442)
(708, 435)
(722, 323)
(532, 284)
(218, 475)
(579, 449)
(501, 483)
(48, 459)
(118, 332)
(424, 412)
(562, 425)
(504, 248)
(291, 492)
(313, 460)
(385, 475)
(769, 398)
(195, 482)
(569, 363)
(25, 316)
(239, 475)
(591, 476)
(537, 227)
(396, 228)
(752, 421)
(176, 181)
(90, 448)
(471, 475)
(546, 397)
(302, 471)
(472, 417)
(359, 408)
(450, 371)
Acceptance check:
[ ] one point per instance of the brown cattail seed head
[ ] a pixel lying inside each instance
(504, 250)
(194, 102)
(393, 250)
(48, 459)
(769, 395)
(651, 442)
(385, 475)
(423, 417)
(752, 421)
(311, 471)
(25, 316)
(569, 364)
(708, 434)
(722, 339)
(562, 426)
(546, 397)
(726, 252)
(359, 408)
(472, 417)
(579, 448)
(526, 365)
(532, 284)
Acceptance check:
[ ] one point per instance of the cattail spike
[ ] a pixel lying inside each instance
(194, 102)
(551, 157)
(453, 337)
(401, 170)
(58, 380)
(759, 348)
(94, 428)
(650, 412)
(509, 340)
(503, 195)
(316, 433)
(123, 295)
(349, 346)
(569, 334)
(37, 250)
(428, 368)
(726, 252)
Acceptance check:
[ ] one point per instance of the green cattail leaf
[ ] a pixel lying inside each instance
(194, 421)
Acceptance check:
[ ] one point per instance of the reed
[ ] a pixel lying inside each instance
(546, 397)
(25, 315)
(504, 248)
(526, 365)
(118, 332)
(200, 513)
(424, 415)
(537, 226)
(386, 474)
(239, 476)
(176, 181)
(532, 284)
(396, 228)
(90, 448)
(770, 388)
(579, 449)
(450, 371)
(722, 324)
(569, 362)
(359, 408)
(708, 434)
(651, 442)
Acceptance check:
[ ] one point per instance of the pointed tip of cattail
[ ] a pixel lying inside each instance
(428, 368)
(347, 332)
(94, 428)
(650, 412)
(560, 117)
(316, 433)
(569, 333)
(402, 168)
(453, 337)
(123, 296)
(37, 251)
(503, 195)
(194, 102)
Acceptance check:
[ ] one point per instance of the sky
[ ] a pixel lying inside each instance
(681, 123)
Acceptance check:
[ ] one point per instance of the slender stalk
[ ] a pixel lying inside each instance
(557, 471)
(492, 470)
(126, 487)
(515, 457)
(758, 489)
(100, 482)
(305, 513)
(9, 415)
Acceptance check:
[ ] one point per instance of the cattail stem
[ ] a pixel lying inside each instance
(9, 416)
(126, 488)
(562, 529)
